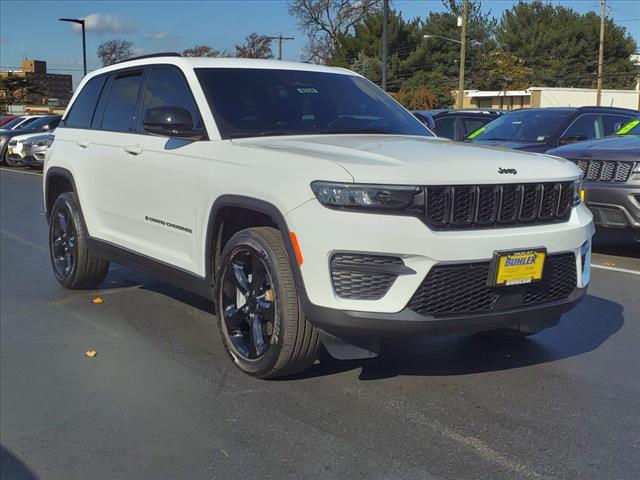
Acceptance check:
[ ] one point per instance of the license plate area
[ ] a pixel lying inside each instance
(516, 267)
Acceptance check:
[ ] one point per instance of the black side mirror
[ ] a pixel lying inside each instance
(173, 122)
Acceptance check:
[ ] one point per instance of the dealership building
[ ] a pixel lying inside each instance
(549, 97)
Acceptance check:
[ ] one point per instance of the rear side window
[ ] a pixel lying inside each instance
(82, 110)
(120, 110)
(167, 88)
(585, 127)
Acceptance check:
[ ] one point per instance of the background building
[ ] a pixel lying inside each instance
(56, 88)
(549, 97)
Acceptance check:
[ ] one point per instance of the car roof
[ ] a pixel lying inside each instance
(206, 62)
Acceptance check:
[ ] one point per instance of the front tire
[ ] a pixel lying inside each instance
(11, 162)
(73, 264)
(261, 321)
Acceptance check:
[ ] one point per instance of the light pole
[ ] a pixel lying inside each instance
(385, 43)
(462, 53)
(80, 21)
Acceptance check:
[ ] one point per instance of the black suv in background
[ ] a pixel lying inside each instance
(540, 129)
(611, 168)
(455, 124)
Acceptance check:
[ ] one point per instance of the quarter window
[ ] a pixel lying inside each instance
(120, 110)
(166, 88)
(85, 104)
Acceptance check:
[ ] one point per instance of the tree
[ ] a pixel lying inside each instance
(205, 51)
(561, 46)
(255, 46)
(113, 51)
(505, 71)
(21, 90)
(326, 21)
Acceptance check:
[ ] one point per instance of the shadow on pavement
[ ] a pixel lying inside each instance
(13, 469)
(583, 330)
(614, 242)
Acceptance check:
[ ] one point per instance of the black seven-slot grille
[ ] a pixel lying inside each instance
(462, 288)
(605, 171)
(486, 206)
(359, 276)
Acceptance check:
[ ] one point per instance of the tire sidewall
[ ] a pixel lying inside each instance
(264, 364)
(67, 201)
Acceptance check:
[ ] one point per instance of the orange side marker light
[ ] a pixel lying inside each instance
(296, 247)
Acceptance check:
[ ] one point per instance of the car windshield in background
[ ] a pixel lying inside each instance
(523, 126)
(12, 123)
(249, 102)
(631, 128)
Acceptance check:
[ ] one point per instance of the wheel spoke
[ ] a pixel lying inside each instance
(68, 262)
(257, 335)
(234, 317)
(258, 275)
(57, 242)
(240, 278)
(62, 221)
(263, 305)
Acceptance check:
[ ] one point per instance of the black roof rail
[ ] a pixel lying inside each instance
(150, 55)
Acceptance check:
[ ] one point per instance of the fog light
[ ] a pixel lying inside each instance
(585, 262)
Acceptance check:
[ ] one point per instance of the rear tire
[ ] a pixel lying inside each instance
(73, 264)
(261, 321)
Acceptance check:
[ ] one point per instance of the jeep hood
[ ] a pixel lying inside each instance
(407, 160)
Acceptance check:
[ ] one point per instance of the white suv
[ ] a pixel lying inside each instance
(310, 207)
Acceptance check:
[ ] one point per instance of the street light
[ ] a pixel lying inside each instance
(79, 21)
(462, 22)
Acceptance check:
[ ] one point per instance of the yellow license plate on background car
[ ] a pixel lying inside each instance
(517, 268)
(10, 151)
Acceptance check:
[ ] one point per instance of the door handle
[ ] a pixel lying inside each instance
(133, 149)
(83, 143)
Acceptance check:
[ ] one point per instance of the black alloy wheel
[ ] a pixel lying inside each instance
(248, 304)
(63, 242)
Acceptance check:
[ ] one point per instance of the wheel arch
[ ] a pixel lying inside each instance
(57, 180)
(261, 213)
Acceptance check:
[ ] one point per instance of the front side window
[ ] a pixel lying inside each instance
(472, 124)
(262, 102)
(167, 88)
(584, 127)
(533, 126)
(85, 104)
(121, 104)
(446, 127)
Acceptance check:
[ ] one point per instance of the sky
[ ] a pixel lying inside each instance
(31, 28)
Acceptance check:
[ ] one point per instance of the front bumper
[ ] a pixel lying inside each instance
(614, 205)
(321, 232)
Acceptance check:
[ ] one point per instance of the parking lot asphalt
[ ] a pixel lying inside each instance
(161, 400)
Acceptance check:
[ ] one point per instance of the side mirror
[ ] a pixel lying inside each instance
(173, 122)
(573, 139)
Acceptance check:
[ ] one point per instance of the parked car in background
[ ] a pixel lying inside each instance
(29, 149)
(540, 129)
(611, 168)
(19, 122)
(456, 124)
(44, 123)
(5, 119)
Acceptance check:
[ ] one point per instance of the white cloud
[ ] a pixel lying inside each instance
(65, 62)
(157, 35)
(106, 24)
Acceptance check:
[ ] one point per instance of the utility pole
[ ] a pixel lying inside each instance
(603, 4)
(280, 39)
(463, 48)
(385, 43)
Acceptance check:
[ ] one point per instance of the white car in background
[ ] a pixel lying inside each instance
(30, 149)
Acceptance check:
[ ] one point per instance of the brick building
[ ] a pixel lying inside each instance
(58, 87)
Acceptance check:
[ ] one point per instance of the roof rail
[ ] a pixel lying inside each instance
(150, 55)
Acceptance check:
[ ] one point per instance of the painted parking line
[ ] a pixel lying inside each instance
(616, 269)
(24, 172)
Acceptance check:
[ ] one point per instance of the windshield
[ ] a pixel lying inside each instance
(533, 126)
(631, 128)
(261, 102)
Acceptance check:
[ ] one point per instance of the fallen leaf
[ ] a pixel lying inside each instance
(91, 353)
(98, 300)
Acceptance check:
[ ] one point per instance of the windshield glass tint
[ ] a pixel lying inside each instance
(12, 123)
(261, 102)
(524, 126)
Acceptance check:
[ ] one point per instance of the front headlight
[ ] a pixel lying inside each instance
(365, 197)
(45, 143)
(578, 192)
